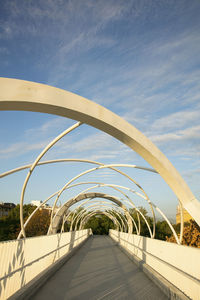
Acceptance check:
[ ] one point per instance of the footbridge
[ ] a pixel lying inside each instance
(70, 262)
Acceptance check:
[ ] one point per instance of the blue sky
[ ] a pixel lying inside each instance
(139, 59)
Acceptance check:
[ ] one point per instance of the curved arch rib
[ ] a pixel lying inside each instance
(29, 96)
(102, 167)
(115, 221)
(74, 217)
(49, 146)
(65, 207)
(99, 205)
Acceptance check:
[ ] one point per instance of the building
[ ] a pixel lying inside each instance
(44, 206)
(186, 216)
(38, 203)
(5, 208)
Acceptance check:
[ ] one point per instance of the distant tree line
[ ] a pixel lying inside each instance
(100, 224)
(10, 225)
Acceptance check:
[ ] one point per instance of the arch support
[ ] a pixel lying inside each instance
(29, 96)
(63, 210)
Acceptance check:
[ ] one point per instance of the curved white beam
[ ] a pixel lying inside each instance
(122, 225)
(115, 221)
(75, 214)
(61, 160)
(34, 164)
(29, 96)
(74, 185)
(127, 214)
(83, 221)
(98, 168)
(56, 220)
(98, 205)
(37, 163)
(115, 187)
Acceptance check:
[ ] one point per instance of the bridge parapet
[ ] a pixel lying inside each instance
(178, 265)
(22, 260)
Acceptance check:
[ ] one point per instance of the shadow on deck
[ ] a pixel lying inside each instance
(99, 270)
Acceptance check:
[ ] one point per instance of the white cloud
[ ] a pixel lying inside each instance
(21, 148)
(180, 135)
(177, 120)
(49, 127)
(35, 138)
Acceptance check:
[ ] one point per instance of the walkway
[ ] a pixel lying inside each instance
(99, 270)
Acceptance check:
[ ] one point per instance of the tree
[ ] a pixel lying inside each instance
(39, 223)
(191, 235)
(100, 224)
(144, 229)
(10, 225)
(162, 230)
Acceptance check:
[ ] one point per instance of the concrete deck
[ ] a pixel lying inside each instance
(99, 270)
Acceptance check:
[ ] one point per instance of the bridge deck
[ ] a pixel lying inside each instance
(99, 270)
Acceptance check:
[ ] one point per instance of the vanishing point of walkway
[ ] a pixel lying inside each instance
(99, 270)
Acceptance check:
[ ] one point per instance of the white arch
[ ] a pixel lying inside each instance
(116, 187)
(53, 161)
(60, 213)
(38, 163)
(73, 185)
(115, 221)
(102, 166)
(99, 206)
(34, 164)
(23, 95)
(85, 208)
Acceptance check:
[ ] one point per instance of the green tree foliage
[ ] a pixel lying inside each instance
(39, 223)
(75, 215)
(10, 225)
(191, 235)
(144, 229)
(100, 224)
(162, 230)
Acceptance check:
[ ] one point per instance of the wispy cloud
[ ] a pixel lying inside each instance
(180, 119)
(35, 139)
(141, 60)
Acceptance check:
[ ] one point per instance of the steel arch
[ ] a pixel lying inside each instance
(23, 95)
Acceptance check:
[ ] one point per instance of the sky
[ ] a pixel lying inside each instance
(140, 59)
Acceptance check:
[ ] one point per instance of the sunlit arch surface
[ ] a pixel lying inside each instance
(29, 96)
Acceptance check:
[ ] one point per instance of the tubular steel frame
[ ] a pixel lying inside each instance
(23, 96)
(103, 213)
(97, 205)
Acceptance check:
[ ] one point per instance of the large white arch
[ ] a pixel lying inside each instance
(29, 96)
